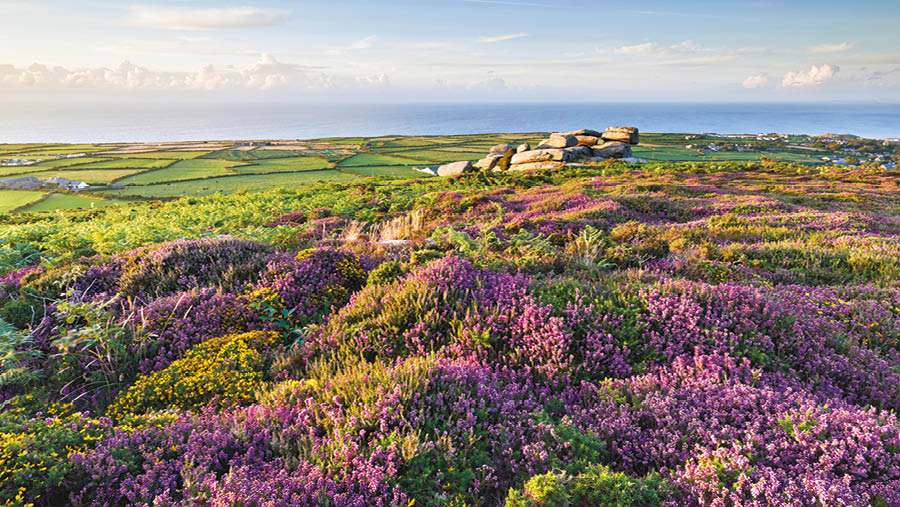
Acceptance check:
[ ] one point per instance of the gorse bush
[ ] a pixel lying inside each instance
(656, 334)
(232, 367)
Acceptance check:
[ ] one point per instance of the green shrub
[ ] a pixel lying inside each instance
(597, 485)
(20, 313)
(386, 273)
(421, 257)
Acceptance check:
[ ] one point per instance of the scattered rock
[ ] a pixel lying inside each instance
(558, 141)
(584, 140)
(612, 149)
(551, 153)
(489, 161)
(455, 168)
(576, 152)
(622, 134)
(586, 132)
(542, 155)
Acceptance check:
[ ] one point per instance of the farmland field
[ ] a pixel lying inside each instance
(128, 163)
(395, 171)
(87, 175)
(229, 184)
(66, 202)
(370, 159)
(12, 199)
(284, 164)
(184, 170)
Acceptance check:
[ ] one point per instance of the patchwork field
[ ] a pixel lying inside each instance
(166, 170)
(669, 334)
(13, 199)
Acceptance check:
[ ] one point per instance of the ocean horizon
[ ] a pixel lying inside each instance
(85, 122)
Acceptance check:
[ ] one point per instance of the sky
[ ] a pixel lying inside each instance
(451, 50)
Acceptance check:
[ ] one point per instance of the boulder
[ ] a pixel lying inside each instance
(455, 168)
(540, 156)
(576, 152)
(626, 130)
(585, 132)
(585, 140)
(523, 147)
(558, 141)
(621, 134)
(529, 166)
(501, 148)
(612, 149)
(489, 161)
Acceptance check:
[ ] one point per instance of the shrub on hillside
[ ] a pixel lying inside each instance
(231, 367)
(159, 270)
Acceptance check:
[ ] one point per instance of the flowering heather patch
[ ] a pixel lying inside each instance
(686, 335)
(159, 270)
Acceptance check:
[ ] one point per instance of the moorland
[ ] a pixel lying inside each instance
(718, 330)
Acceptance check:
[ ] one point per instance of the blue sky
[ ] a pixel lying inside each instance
(445, 50)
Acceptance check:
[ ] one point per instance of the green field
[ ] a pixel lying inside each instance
(171, 155)
(13, 199)
(129, 163)
(250, 155)
(371, 159)
(396, 171)
(86, 175)
(230, 184)
(292, 164)
(440, 156)
(183, 170)
(165, 174)
(68, 162)
(66, 201)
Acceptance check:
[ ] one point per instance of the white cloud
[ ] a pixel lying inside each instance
(831, 48)
(355, 46)
(646, 48)
(815, 76)
(757, 81)
(364, 43)
(684, 47)
(190, 18)
(500, 38)
(268, 73)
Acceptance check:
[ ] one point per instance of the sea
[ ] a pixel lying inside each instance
(93, 122)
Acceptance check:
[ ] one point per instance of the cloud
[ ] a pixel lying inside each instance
(500, 38)
(190, 18)
(815, 76)
(646, 48)
(267, 74)
(363, 43)
(355, 46)
(831, 48)
(757, 81)
(650, 49)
